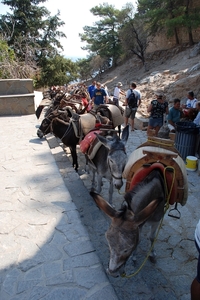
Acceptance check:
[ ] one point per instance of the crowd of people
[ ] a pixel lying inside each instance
(159, 111)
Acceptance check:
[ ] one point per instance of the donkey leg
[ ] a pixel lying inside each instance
(134, 254)
(111, 192)
(99, 183)
(154, 226)
(93, 180)
(74, 158)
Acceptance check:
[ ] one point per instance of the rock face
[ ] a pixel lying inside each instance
(174, 71)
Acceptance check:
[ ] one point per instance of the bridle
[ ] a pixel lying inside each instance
(110, 152)
(49, 126)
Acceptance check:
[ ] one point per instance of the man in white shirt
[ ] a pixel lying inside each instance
(116, 94)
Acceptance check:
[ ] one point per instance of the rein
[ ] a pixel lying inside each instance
(168, 195)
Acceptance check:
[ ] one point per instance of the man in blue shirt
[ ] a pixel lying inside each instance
(99, 96)
(91, 89)
(174, 115)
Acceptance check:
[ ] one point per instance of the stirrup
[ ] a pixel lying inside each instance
(171, 214)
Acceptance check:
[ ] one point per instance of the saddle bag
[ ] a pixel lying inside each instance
(88, 140)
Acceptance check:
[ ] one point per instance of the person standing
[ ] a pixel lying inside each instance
(91, 89)
(116, 94)
(157, 108)
(195, 286)
(99, 96)
(189, 109)
(130, 111)
(174, 115)
(197, 119)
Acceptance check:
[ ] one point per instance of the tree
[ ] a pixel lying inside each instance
(170, 15)
(30, 30)
(57, 71)
(103, 38)
(85, 68)
(134, 34)
(10, 66)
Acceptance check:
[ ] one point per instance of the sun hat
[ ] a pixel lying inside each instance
(119, 84)
(159, 93)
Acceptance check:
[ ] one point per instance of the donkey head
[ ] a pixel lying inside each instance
(45, 127)
(117, 156)
(123, 233)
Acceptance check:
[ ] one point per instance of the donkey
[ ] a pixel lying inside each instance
(143, 203)
(109, 161)
(64, 131)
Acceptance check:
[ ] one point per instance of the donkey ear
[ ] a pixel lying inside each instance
(104, 205)
(125, 134)
(144, 214)
(107, 143)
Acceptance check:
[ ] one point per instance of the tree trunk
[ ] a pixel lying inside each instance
(176, 36)
(191, 41)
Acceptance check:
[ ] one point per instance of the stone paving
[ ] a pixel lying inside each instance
(45, 251)
(171, 276)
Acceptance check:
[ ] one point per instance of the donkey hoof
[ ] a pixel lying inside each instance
(152, 259)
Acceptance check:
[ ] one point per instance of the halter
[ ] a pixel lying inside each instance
(49, 126)
(111, 151)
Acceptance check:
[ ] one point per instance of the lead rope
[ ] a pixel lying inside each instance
(168, 195)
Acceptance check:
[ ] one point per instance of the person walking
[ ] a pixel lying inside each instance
(131, 104)
(157, 108)
(99, 96)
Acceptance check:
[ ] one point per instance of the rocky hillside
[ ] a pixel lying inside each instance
(175, 72)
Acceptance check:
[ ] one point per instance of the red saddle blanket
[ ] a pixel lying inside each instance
(171, 184)
(87, 141)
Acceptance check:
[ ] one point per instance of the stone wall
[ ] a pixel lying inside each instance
(162, 42)
(16, 97)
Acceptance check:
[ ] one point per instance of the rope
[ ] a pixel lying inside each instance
(168, 195)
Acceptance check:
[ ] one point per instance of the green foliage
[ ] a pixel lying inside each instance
(103, 38)
(170, 15)
(7, 58)
(57, 71)
(30, 30)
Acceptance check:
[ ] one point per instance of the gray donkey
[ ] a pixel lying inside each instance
(109, 161)
(143, 203)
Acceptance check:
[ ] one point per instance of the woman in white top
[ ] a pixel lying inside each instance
(189, 109)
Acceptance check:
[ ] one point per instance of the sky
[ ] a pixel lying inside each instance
(76, 14)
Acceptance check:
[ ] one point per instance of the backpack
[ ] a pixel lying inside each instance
(132, 100)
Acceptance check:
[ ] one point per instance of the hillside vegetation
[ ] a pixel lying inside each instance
(175, 72)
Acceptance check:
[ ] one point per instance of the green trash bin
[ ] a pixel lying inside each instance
(185, 140)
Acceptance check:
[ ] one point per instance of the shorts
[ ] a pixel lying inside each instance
(155, 122)
(130, 113)
(198, 265)
(116, 101)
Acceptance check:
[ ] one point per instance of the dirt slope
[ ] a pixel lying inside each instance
(174, 72)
